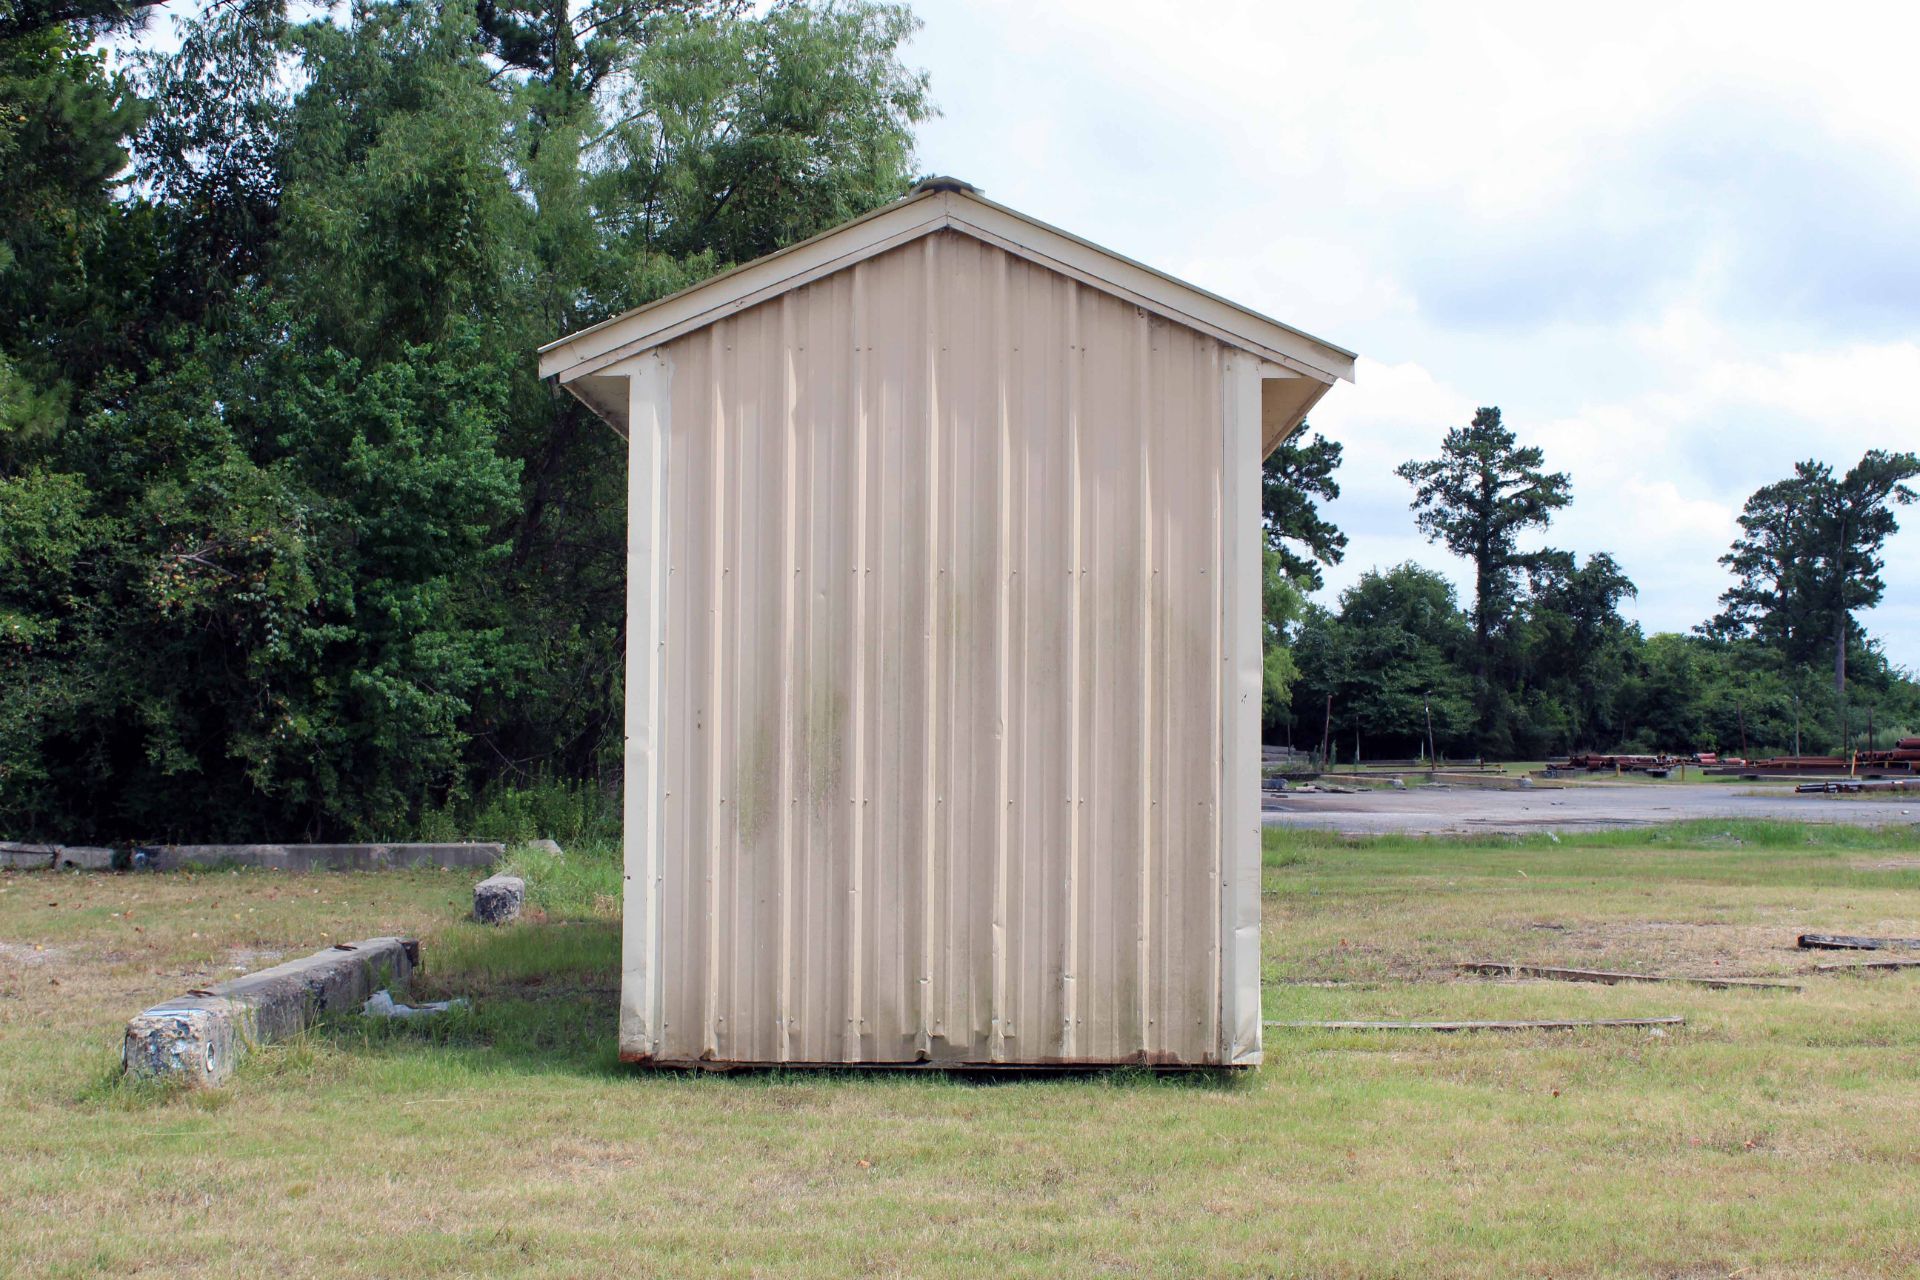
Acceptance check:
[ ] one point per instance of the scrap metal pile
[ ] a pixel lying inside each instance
(1658, 766)
(1901, 761)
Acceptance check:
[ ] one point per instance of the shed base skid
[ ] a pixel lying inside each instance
(1056, 1066)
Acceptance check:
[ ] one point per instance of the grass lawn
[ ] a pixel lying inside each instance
(1776, 1134)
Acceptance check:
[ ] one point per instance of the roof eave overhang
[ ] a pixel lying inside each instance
(591, 352)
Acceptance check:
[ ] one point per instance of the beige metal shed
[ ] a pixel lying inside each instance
(943, 648)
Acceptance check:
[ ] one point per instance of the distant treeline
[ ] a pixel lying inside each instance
(1541, 662)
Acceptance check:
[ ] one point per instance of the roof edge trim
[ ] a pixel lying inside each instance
(591, 350)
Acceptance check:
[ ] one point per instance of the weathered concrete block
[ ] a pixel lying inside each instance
(192, 1039)
(27, 857)
(80, 857)
(498, 899)
(201, 1036)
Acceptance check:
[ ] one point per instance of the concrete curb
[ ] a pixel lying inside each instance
(320, 857)
(54, 857)
(464, 855)
(200, 1037)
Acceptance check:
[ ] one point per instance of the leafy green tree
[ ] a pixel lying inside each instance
(1297, 478)
(288, 522)
(398, 211)
(1773, 599)
(82, 19)
(1282, 602)
(1386, 657)
(210, 163)
(1576, 651)
(257, 599)
(64, 117)
(1810, 556)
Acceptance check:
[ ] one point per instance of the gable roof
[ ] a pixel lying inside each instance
(941, 204)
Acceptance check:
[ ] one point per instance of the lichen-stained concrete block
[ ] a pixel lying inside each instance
(192, 1040)
(498, 899)
(201, 1036)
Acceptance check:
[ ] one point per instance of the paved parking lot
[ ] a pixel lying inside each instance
(1579, 806)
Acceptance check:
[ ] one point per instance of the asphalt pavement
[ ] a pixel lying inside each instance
(1577, 806)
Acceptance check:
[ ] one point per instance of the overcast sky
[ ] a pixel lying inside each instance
(1678, 245)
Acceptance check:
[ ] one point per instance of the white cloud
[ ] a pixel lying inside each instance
(1673, 242)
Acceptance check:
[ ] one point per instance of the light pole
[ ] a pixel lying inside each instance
(1426, 701)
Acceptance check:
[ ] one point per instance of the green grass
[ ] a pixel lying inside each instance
(582, 882)
(1777, 1134)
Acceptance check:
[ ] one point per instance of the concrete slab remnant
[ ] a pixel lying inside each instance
(324, 857)
(498, 899)
(27, 857)
(200, 1037)
(461, 855)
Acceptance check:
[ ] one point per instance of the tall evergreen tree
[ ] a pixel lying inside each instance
(1476, 499)
(1809, 557)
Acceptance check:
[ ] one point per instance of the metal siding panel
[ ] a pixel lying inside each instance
(755, 596)
(680, 922)
(942, 760)
(1240, 714)
(649, 386)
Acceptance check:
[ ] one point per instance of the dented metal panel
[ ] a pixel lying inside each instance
(933, 756)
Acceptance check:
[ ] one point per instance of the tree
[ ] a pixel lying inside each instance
(1282, 603)
(1576, 648)
(1858, 523)
(1809, 556)
(1298, 476)
(64, 118)
(1387, 656)
(258, 596)
(1775, 597)
(210, 165)
(1476, 499)
(288, 521)
(83, 19)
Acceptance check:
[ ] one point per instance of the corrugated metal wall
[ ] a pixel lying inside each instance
(940, 735)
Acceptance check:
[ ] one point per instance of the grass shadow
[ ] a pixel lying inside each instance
(542, 998)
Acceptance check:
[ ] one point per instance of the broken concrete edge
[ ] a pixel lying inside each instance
(199, 1038)
(499, 898)
(54, 857)
(462, 855)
